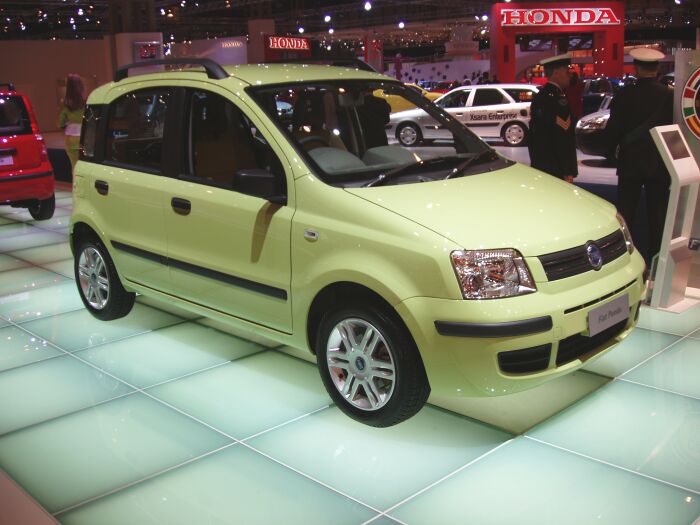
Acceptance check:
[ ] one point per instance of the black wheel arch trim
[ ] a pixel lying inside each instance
(507, 329)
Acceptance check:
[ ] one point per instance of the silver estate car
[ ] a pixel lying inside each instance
(492, 111)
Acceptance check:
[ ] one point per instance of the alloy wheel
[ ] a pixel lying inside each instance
(94, 280)
(361, 364)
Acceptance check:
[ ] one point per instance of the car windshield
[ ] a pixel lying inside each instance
(351, 133)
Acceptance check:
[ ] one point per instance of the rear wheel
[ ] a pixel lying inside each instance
(514, 134)
(43, 209)
(408, 134)
(98, 283)
(370, 365)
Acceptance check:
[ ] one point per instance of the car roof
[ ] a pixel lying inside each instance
(505, 86)
(248, 74)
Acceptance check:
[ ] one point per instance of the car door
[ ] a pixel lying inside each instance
(126, 185)
(227, 250)
(455, 103)
(487, 109)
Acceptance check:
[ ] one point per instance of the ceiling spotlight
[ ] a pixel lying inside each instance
(368, 6)
(301, 29)
(80, 12)
(331, 30)
(401, 25)
(328, 47)
(678, 2)
(327, 18)
(162, 11)
(485, 18)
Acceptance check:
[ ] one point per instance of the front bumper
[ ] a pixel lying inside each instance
(37, 183)
(461, 352)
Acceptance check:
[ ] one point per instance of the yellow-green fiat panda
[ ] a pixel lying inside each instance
(274, 198)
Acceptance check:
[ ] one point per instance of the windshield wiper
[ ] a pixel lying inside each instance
(385, 177)
(486, 155)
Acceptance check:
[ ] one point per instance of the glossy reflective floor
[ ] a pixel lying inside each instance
(160, 418)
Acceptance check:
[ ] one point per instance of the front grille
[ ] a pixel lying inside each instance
(526, 360)
(577, 345)
(573, 261)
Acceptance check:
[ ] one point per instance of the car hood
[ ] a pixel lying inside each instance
(593, 116)
(407, 114)
(516, 207)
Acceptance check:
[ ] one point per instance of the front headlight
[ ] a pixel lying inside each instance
(492, 274)
(593, 123)
(626, 233)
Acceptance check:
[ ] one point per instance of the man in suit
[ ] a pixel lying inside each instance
(552, 142)
(634, 110)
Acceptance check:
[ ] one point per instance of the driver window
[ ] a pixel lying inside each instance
(222, 142)
(456, 99)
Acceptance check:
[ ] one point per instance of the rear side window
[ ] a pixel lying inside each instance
(135, 129)
(488, 97)
(91, 120)
(520, 94)
(14, 118)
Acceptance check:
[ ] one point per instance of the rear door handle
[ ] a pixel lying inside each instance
(102, 187)
(181, 206)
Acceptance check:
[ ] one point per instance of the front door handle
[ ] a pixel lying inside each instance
(181, 206)
(102, 187)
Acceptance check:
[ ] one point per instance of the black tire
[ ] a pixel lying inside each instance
(43, 209)
(508, 136)
(407, 391)
(403, 138)
(113, 303)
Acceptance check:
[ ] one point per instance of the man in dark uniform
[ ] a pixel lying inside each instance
(633, 112)
(552, 141)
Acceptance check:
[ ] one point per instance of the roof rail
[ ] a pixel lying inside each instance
(355, 63)
(10, 85)
(213, 69)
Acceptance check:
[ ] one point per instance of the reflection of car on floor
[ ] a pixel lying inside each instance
(400, 272)
(496, 111)
(26, 175)
(589, 136)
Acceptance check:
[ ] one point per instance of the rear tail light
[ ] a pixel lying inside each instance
(44, 152)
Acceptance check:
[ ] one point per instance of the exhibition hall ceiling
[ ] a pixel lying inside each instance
(421, 21)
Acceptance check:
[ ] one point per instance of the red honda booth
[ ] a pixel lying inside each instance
(605, 20)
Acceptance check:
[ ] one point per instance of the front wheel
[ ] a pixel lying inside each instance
(98, 283)
(371, 366)
(43, 209)
(408, 134)
(514, 134)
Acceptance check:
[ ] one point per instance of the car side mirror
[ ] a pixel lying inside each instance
(259, 183)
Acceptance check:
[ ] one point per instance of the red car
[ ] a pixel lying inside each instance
(26, 175)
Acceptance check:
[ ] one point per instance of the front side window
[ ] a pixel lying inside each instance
(14, 119)
(223, 143)
(349, 134)
(455, 99)
(135, 129)
(488, 97)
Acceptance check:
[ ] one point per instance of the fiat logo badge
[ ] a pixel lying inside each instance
(595, 257)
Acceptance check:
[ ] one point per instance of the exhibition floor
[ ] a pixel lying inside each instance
(160, 418)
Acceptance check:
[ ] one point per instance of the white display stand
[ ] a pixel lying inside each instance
(670, 290)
